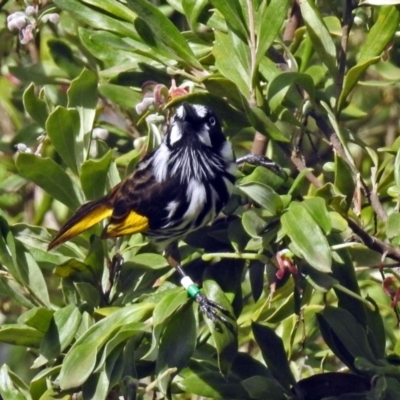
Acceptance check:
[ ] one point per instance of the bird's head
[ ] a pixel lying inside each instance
(195, 124)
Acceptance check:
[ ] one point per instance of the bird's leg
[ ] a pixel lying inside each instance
(209, 307)
(262, 161)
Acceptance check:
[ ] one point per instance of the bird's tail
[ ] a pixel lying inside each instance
(85, 217)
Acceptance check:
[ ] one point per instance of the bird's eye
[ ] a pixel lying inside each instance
(212, 121)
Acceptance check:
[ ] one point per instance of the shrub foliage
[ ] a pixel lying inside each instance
(305, 254)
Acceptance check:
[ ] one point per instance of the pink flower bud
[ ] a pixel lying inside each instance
(26, 34)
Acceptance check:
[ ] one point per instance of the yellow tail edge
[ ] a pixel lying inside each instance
(85, 217)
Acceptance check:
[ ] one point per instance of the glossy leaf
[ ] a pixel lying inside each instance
(316, 207)
(344, 181)
(225, 337)
(164, 30)
(193, 10)
(61, 332)
(50, 177)
(63, 128)
(38, 318)
(8, 389)
(165, 308)
(177, 344)
(307, 236)
(232, 12)
(20, 335)
(94, 176)
(275, 13)
(82, 95)
(260, 387)
(81, 359)
(279, 87)
(348, 331)
(212, 385)
(263, 124)
(35, 106)
(92, 17)
(319, 34)
(274, 354)
(228, 63)
(377, 40)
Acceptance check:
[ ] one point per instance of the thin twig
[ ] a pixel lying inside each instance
(293, 23)
(373, 243)
(259, 146)
(347, 22)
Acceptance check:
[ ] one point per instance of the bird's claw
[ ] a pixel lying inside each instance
(210, 309)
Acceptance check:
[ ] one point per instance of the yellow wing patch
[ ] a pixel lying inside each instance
(133, 223)
(86, 216)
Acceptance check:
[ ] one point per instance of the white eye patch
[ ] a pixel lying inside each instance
(200, 110)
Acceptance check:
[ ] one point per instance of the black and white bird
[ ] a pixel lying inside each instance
(180, 186)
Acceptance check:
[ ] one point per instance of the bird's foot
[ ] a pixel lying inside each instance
(213, 311)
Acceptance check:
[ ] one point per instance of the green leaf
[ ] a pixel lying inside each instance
(177, 344)
(349, 332)
(62, 329)
(316, 207)
(81, 359)
(255, 186)
(20, 335)
(150, 260)
(393, 225)
(211, 384)
(171, 301)
(94, 176)
(229, 64)
(225, 338)
(50, 177)
(88, 293)
(253, 222)
(38, 318)
(232, 12)
(262, 123)
(376, 332)
(82, 95)
(397, 168)
(8, 389)
(319, 35)
(279, 87)
(378, 38)
(99, 20)
(164, 30)
(274, 354)
(344, 181)
(34, 106)
(32, 276)
(275, 13)
(193, 10)
(260, 387)
(307, 236)
(123, 96)
(63, 128)
(63, 56)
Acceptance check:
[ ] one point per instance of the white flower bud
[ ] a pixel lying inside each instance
(100, 133)
(54, 18)
(155, 119)
(31, 10)
(16, 21)
(138, 142)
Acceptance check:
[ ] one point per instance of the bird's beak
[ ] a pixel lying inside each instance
(188, 112)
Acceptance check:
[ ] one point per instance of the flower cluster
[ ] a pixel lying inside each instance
(26, 22)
